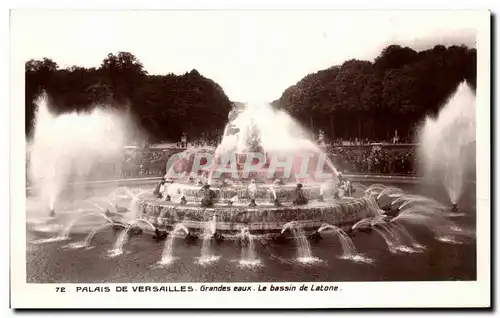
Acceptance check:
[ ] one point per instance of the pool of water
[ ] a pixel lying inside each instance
(58, 261)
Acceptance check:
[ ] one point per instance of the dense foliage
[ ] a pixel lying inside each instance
(371, 100)
(356, 99)
(164, 106)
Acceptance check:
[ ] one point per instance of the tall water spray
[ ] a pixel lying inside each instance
(447, 143)
(65, 147)
(259, 127)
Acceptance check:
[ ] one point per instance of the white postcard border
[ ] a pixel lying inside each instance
(352, 294)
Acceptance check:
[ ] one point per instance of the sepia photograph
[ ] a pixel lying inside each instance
(260, 152)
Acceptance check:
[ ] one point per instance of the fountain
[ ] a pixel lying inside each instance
(304, 254)
(260, 183)
(91, 235)
(118, 247)
(78, 217)
(86, 243)
(209, 233)
(167, 255)
(64, 148)
(447, 143)
(407, 237)
(248, 254)
(349, 249)
(393, 239)
(258, 177)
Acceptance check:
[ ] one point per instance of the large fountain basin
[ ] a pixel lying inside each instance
(262, 218)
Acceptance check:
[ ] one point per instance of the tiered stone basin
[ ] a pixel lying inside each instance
(263, 218)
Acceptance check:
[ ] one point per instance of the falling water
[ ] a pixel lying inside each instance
(167, 255)
(207, 255)
(271, 188)
(91, 235)
(366, 221)
(120, 241)
(375, 189)
(122, 238)
(387, 196)
(372, 206)
(288, 226)
(304, 254)
(388, 240)
(447, 142)
(407, 236)
(248, 254)
(303, 246)
(390, 192)
(133, 211)
(443, 229)
(392, 238)
(86, 242)
(67, 229)
(410, 200)
(349, 249)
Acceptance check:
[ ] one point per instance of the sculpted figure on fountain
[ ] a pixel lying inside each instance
(252, 189)
(164, 190)
(208, 196)
(157, 192)
(300, 198)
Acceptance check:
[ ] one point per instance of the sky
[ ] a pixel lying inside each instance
(253, 55)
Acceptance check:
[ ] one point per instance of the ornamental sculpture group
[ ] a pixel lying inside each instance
(161, 192)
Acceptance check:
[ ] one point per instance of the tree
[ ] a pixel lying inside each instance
(371, 100)
(123, 72)
(164, 106)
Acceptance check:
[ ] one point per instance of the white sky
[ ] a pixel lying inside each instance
(253, 55)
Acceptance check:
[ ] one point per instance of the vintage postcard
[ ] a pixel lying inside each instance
(250, 159)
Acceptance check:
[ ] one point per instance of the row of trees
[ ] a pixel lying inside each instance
(371, 100)
(356, 99)
(164, 106)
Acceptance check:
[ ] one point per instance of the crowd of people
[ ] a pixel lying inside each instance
(347, 159)
(366, 159)
(375, 160)
(145, 162)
